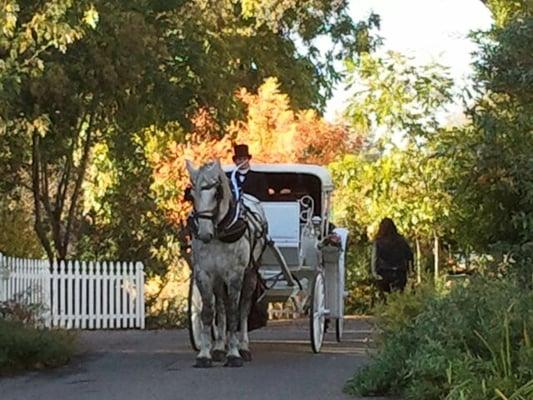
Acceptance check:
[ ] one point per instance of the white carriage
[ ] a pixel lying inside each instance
(306, 262)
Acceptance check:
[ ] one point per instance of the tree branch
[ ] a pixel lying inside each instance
(36, 189)
(53, 216)
(79, 182)
(63, 183)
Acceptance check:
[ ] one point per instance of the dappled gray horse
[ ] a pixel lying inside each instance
(225, 250)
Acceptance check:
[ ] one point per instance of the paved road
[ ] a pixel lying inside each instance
(157, 365)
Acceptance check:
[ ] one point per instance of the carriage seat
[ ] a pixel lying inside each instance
(284, 229)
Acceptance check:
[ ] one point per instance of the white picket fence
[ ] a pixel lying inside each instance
(79, 295)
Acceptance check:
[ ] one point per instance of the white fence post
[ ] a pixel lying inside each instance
(84, 283)
(125, 303)
(98, 302)
(46, 283)
(55, 294)
(3, 279)
(140, 295)
(132, 296)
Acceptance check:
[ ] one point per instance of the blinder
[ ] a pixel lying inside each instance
(213, 213)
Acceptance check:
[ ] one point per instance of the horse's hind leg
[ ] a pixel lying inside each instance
(219, 351)
(205, 285)
(248, 287)
(232, 308)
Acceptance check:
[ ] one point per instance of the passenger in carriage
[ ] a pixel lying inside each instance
(247, 181)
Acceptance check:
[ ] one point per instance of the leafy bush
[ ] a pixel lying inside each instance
(23, 346)
(471, 343)
(19, 309)
(402, 309)
(362, 293)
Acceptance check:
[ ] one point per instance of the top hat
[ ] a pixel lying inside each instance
(240, 151)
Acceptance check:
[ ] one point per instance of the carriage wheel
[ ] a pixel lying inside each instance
(194, 314)
(317, 314)
(339, 328)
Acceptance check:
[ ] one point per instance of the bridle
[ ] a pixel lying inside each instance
(211, 214)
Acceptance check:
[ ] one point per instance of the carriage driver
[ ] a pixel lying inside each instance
(246, 180)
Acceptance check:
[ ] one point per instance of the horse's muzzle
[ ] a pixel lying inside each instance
(206, 238)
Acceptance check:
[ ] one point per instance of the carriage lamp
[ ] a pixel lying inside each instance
(316, 220)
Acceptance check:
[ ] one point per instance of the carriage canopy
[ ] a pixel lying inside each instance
(288, 182)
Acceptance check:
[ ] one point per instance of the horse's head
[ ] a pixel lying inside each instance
(207, 193)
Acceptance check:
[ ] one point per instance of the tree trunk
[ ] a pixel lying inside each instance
(36, 187)
(56, 227)
(436, 255)
(418, 268)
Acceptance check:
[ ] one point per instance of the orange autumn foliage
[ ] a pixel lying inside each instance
(272, 130)
(275, 133)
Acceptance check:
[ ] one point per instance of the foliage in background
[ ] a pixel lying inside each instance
(399, 173)
(17, 237)
(362, 294)
(397, 103)
(494, 168)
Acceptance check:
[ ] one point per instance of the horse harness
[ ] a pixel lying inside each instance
(232, 227)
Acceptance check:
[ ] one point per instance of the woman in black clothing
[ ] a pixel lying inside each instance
(391, 258)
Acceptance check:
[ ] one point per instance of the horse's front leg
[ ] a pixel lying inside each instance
(248, 288)
(233, 358)
(219, 351)
(205, 285)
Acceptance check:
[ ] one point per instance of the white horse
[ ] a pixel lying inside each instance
(225, 251)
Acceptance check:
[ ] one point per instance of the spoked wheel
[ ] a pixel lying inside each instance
(339, 328)
(317, 312)
(194, 314)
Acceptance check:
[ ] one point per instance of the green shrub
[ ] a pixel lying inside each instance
(362, 294)
(402, 309)
(26, 347)
(471, 343)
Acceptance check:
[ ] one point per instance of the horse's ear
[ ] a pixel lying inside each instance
(217, 163)
(192, 171)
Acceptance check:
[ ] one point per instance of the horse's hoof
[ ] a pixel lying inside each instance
(218, 355)
(246, 355)
(203, 362)
(234, 361)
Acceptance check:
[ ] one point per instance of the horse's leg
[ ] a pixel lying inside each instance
(248, 288)
(219, 351)
(232, 308)
(205, 285)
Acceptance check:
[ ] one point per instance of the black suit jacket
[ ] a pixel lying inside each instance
(254, 183)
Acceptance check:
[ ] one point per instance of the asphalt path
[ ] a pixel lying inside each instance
(158, 365)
